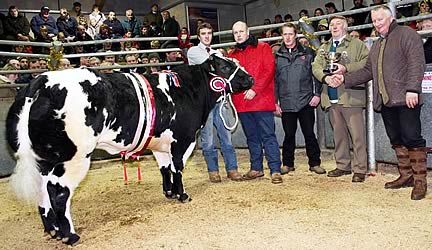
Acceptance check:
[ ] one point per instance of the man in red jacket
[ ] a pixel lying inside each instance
(256, 105)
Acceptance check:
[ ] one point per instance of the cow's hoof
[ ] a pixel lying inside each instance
(184, 198)
(72, 240)
(170, 195)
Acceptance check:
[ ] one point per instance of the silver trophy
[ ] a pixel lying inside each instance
(331, 58)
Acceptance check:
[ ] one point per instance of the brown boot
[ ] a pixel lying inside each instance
(405, 171)
(214, 177)
(418, 159)
(234, 175)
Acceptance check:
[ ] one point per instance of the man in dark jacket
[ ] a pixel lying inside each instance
(297, 97)
(154, 16)
(396, 63)
(115, 25)
(170, 26)
(16, 26)
(44, 18)
(67, 24)
(131, 23)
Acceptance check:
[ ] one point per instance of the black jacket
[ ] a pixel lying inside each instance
(294, 82)
(16, 25)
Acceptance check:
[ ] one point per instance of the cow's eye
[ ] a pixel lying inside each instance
(225, 68)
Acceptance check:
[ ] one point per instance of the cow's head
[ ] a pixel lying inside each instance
(236, 76)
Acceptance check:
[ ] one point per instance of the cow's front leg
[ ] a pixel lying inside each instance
(178, 187)
(179, 158)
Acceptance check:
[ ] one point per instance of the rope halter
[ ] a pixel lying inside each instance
(218, 85)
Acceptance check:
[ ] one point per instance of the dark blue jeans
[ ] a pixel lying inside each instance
(259, 128)
(403, 126)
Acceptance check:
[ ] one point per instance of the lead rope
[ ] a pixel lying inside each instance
(227, 99)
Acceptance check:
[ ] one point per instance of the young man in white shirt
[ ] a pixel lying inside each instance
(197, 55)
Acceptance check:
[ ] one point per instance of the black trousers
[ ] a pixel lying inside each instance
(403, 126)
(306, 117)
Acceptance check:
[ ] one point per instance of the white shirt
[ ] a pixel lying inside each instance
(198, 54)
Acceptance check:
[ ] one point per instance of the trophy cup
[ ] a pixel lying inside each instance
(331, 58)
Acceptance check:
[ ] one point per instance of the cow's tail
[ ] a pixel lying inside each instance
(26, 179)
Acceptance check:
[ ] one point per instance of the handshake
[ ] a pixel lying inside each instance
(334, 80)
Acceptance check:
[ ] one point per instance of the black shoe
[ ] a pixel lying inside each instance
(317, 169)
(358, 177)
(286, 169)
(337, 173)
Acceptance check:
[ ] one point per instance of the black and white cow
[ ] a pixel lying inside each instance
(59, 119)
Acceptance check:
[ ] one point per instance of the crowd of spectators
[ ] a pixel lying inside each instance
(74, 26)
(420, 8)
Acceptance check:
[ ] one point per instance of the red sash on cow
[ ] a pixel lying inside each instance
(147, 115)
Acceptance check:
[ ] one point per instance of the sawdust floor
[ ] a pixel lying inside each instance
(307, 211)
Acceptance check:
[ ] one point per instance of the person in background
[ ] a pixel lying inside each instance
(44, 19)
(65, 63)
(67, 24)
(16, 26)
(94, 61)
(197, 55)
(154, 16)
(153, 58)
(345, 106)
(331, 8)
(131, 60)
(255, 106)
(24, 64)
(359, 18)
(96, 18)
(355, 34)
(115, 25)
(303, 13)
(43, 63)
(145, 32)
(317, 12)
(427, 46)
(278, 18)
(76, 10)
(104, 63)
(288, 18)
(170, 27)
(396, 64)
(131, 23)
(297, 96)
(28, 77)
(14, 63)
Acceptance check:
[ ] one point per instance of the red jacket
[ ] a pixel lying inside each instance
(259, 62)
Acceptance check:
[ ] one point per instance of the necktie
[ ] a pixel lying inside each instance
(332, 92)
(208, 50)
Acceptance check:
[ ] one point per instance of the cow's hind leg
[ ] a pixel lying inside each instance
(164, 161)
(59, 186)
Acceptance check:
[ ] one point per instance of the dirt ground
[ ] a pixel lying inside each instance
(307, 211)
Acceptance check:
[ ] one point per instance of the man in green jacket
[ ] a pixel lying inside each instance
(344, 105)
(396, 64)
